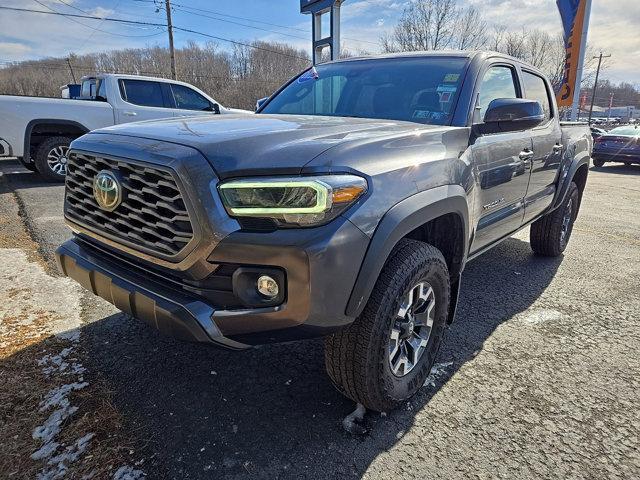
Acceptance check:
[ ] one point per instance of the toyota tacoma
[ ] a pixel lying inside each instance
(345, 208)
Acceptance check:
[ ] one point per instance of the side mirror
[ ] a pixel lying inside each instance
(260, 102)
(512, 114)
(215, 108)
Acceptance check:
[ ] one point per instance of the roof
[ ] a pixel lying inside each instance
(433, 53)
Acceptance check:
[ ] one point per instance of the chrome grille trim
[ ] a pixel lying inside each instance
(152, 217)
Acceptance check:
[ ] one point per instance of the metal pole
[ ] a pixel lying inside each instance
(172, 54)
(595, 84)
(71, 68)
(579, 71)
(335, 31)
(610, 106)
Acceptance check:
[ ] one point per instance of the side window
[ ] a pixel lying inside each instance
(142, 92)
(188, 99)
(498, 82)
(320, 96)
(535, 88)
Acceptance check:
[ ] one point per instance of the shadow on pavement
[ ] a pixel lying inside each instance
(18, 177)
(619, 168)
(271, 412)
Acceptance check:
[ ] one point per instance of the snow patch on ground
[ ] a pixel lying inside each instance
(537, 316)
(61, 363)
(437, 371)
(35, 303)
(128, 473)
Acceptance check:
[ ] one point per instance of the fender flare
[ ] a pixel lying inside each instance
(400, 220)
(45, 121)
(566, 177)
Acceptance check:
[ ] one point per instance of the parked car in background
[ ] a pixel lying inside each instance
(39, 130)
(596, 132)
(346, 207)
(621, 144)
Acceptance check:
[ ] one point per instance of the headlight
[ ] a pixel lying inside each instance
(292, 201)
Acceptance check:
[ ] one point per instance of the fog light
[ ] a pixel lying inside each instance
(267, 286)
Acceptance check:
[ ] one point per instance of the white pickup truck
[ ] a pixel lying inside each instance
(39, 130)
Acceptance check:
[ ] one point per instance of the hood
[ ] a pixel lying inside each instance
(240, 145)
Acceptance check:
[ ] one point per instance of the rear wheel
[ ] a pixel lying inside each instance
(550, 234)
(51, 158)
(598, 163)
(386, 354)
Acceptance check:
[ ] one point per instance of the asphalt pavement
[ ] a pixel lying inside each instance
(538, 378)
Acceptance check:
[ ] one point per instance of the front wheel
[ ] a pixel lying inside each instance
(51, 158)
(598, 163)
(386, 354)
(550, 234)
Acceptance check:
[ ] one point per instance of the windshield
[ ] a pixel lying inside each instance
(630, 131)
(415, 89)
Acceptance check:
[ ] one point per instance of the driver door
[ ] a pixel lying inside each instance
(189, 102)
(502, 163)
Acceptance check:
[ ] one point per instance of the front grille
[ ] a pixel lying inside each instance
(152, 216)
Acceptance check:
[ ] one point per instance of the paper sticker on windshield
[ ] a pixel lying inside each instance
(422, 114)
(311, 74)
(429, 115)
(451, 77)
(446, 92)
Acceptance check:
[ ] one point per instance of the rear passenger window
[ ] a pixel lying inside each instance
(535, 88)
(142, 92)
(498, 82)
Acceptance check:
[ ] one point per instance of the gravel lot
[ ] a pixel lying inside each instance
(539, 376)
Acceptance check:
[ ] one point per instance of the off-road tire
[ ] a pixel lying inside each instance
(598, 163)
(42, 166)
(357, 357)
(546, 233)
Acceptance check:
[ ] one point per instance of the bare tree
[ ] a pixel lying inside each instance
(470, 30)
(424, 25)
(235, 78)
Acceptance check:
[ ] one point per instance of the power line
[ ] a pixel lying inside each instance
(84, 24)
(180, 9)
(151, 24)
(230, 16)
(203, 10)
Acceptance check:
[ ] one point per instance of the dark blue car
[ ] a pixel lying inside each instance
(622, 144)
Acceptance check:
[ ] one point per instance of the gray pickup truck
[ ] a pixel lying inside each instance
(346, 208)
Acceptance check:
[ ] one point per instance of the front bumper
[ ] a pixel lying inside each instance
(320, 265)
(166, 309)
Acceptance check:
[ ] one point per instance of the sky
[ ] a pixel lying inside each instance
(614, 25)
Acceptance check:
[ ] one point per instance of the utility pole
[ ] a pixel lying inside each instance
(595, 83)
(167, 5)
(71, 68)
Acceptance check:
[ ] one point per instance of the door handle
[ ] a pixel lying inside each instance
(130, 114)
(557, 148)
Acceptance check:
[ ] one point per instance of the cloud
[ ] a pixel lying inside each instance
(363, 7)
(101, 12)
(13, 49)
